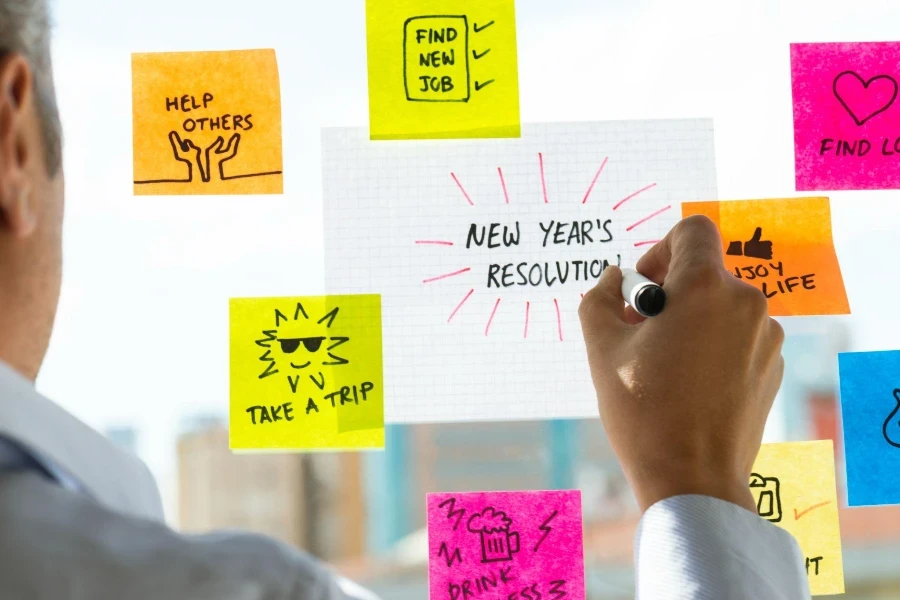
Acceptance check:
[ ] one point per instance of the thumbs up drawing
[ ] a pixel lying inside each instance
(754, 247)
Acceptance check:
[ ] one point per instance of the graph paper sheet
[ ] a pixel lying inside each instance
(482, 249)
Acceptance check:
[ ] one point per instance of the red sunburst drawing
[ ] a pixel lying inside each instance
(497, 304)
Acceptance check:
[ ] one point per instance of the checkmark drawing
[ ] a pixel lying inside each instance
(480, 29)
(797, 515)
(476, 56)
(479, 85)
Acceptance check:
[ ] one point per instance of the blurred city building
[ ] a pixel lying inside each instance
(808, 397)
(312, 501)
(534, 455)
(123, 436)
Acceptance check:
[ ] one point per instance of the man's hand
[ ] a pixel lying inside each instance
(684, 396)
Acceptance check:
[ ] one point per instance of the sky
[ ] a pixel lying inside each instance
(141, 336)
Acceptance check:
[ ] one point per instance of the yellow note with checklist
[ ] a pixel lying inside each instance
(442, 69)
(793, 485)
(306, 373)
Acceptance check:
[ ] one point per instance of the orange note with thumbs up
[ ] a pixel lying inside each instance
(785, 248)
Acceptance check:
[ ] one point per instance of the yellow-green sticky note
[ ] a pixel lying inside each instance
(793, 485)
(442, 69)
(306, 373)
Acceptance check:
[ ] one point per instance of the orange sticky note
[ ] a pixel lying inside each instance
(785, 248)
(206, 123)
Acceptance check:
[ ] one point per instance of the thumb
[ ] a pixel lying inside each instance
(757, 235)
(216, 146)
(602, 310)
(175, 140)
(233, 141)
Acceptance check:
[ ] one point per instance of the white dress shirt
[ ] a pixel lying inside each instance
(81, 519)
(701, 548)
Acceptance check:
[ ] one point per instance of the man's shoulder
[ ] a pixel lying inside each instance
(55, 541)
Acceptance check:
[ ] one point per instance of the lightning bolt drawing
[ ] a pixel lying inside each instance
(544, 527)
(452, 511)
(445, 552)
(557, 593)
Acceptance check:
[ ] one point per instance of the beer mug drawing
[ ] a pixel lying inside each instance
(498, 543)
(768, 501)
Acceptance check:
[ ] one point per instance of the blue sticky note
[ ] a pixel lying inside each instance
(870, 409)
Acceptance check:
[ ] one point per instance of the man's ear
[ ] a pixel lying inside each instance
(17, 200)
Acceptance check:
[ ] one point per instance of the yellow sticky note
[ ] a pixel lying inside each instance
(206, 123)
(784, 247)
(794, 487)
(306, 373)
(442, 69)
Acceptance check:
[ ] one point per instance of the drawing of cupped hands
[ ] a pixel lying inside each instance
(217, 153)
(207, 160)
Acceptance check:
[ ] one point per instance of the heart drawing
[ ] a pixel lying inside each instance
(864, 99)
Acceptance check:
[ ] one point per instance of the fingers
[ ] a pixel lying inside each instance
(757, 235)
(229, 151)
(693, 243)
(602, 310)
(633, 317)
(175, 140)
(216, 146)
(219, 146)
(234, 139)
(181, 145)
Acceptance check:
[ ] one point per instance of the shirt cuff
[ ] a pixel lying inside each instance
(695, 547)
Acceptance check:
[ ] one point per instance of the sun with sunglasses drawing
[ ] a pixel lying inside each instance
(297, 348)
(306, 372)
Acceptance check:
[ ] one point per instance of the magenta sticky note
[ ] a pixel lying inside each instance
(510, 545)
(846, 115)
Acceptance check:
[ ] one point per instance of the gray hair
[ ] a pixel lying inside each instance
(25, 29)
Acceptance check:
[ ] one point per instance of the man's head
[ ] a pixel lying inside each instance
(31, 186)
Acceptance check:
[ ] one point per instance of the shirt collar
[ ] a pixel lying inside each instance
(14, 458)
(110, 475)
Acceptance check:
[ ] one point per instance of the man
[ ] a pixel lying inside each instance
(80, 519)
(684, 398)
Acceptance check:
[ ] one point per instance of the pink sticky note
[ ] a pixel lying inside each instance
(510, 545)
(846, 115)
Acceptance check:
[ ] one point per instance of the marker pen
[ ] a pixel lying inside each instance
(646, 297)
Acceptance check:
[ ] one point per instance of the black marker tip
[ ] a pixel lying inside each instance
(651, 300)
